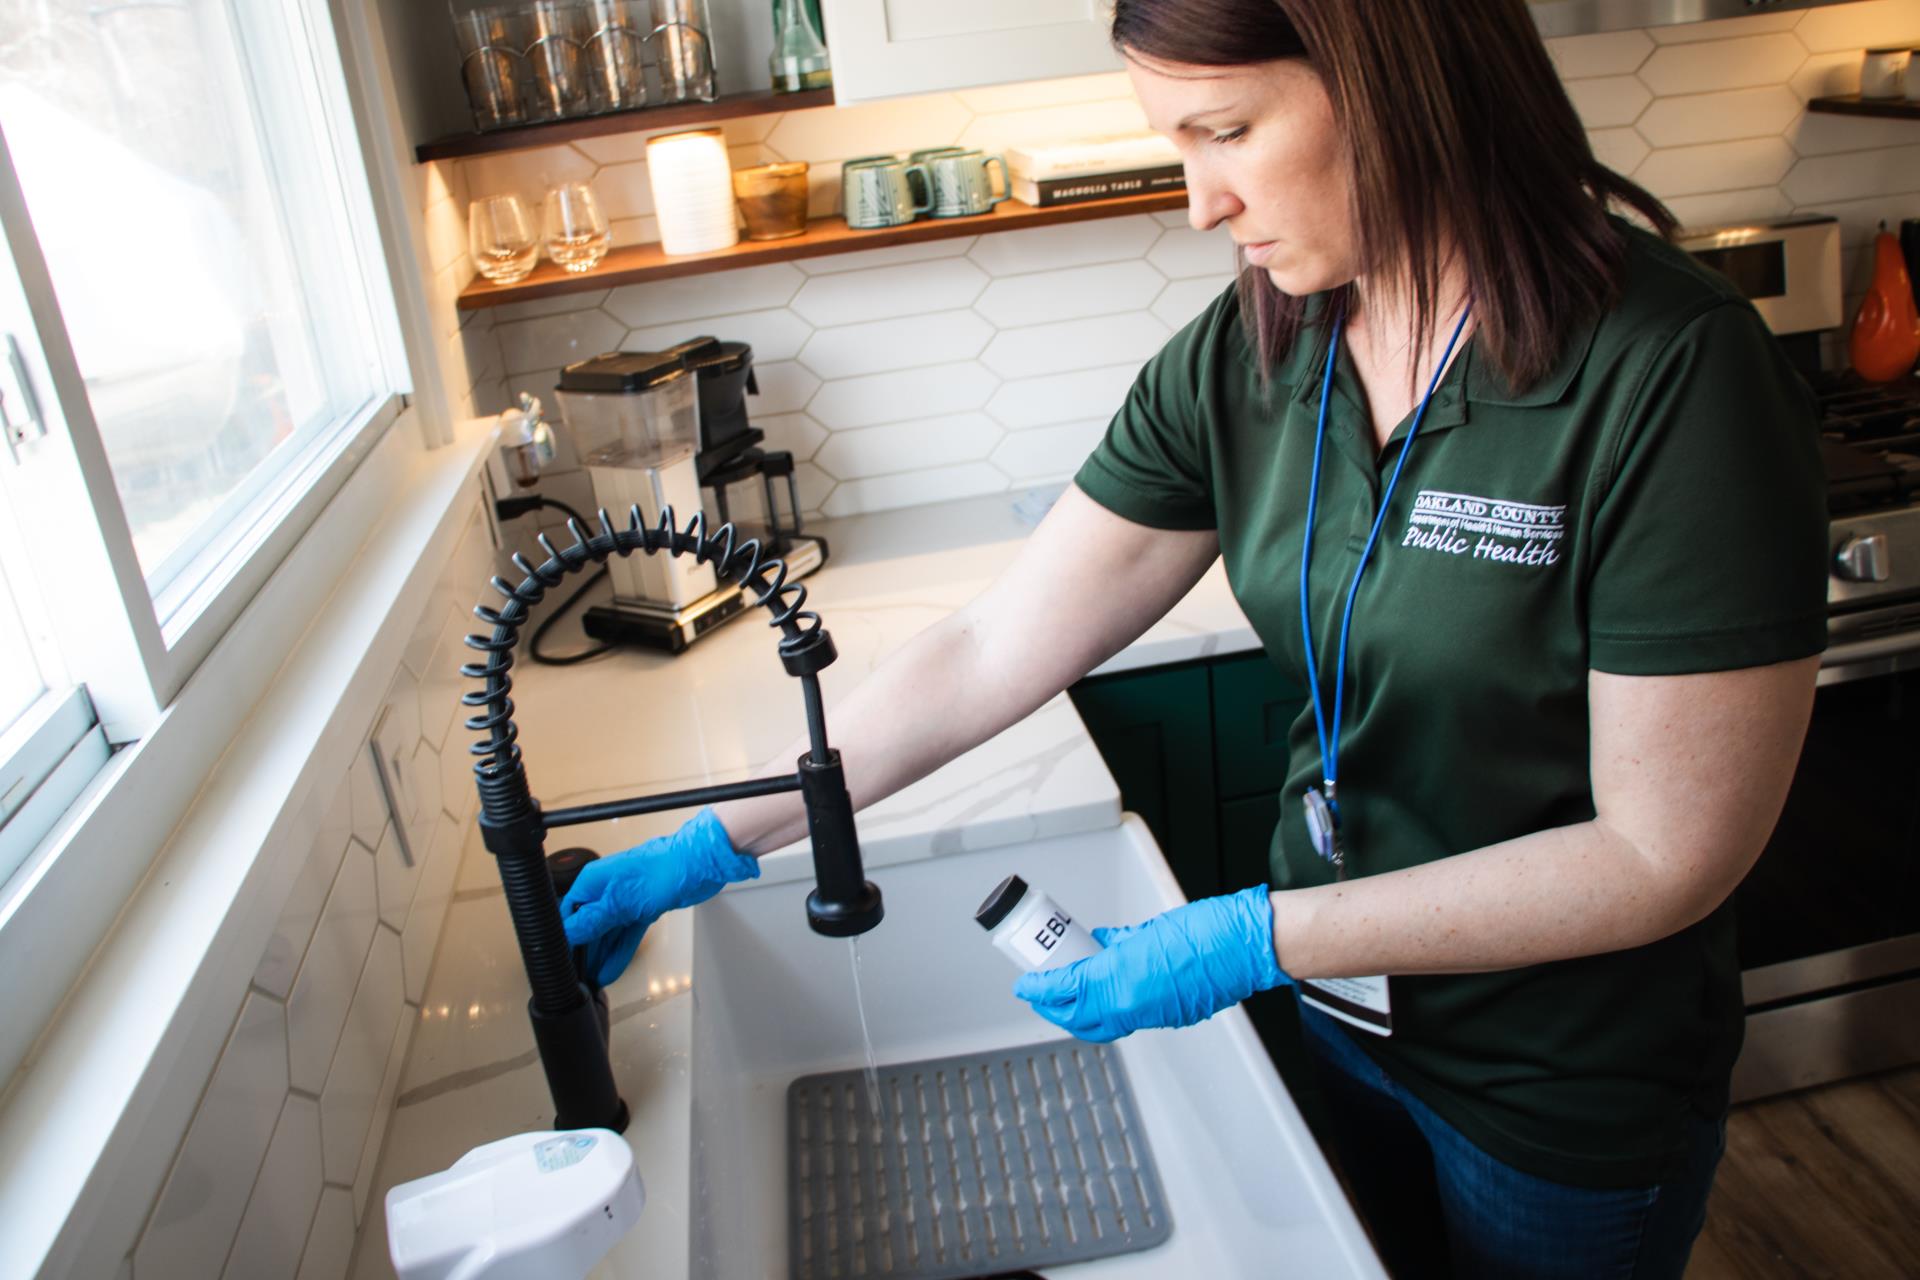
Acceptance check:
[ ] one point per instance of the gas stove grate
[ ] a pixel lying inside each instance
(1870, 440)
(1865, 414)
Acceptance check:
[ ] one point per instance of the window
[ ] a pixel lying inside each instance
(206, 340)
(182, 192)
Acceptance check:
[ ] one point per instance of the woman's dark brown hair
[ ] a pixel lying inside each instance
(1456, 126)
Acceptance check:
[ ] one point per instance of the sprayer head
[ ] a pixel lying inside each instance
(834, 919)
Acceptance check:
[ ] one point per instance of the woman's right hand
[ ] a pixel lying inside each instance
(616, 899)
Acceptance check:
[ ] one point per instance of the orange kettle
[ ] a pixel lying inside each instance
(1886, 333)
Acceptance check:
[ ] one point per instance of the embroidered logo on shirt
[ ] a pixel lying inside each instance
(1459, 524)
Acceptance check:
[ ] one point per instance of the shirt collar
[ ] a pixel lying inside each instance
(1487, 385)
(1483, 380)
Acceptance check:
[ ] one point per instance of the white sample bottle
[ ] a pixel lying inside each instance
(1031, 928)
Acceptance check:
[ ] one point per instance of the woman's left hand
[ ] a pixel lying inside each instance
(1174, 970)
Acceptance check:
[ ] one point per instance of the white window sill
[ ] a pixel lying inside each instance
(92, 1116)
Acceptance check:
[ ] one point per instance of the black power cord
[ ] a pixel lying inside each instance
(512, 508)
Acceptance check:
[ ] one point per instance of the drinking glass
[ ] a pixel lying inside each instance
(558, 59)
(491, 65)
(500, 237)
(577, 235)
(683, 50)
(617, 55)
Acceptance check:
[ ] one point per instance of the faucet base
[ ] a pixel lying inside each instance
(573, 1050)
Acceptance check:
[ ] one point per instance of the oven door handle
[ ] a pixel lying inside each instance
(1877, 656)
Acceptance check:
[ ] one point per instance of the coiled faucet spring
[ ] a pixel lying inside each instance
(571, 1037)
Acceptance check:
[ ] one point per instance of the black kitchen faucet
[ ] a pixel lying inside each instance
(570, 1026)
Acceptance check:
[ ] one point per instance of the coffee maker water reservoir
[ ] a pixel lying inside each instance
(635, 422)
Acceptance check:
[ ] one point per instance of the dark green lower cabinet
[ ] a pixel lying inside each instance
(1199, 751)
(1246, 837)
(1254, 708)
(1155, 730)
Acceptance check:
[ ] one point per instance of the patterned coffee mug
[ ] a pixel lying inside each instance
(963, 183)
(917, 178)
(884, 193)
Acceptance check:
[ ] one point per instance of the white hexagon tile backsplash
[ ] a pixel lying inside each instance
(922, 372)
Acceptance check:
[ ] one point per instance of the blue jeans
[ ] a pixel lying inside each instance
(1440, 1206)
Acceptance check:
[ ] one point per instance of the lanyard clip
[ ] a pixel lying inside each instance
(1323, 824)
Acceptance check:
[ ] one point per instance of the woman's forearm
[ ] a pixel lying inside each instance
(1552, 895)
(1048, 620)
(930, 701)
(1689, 775)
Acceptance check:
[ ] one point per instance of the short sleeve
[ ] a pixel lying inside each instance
(1152, 466)
(1710, 541)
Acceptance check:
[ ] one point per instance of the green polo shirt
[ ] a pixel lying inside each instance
(1653, 506)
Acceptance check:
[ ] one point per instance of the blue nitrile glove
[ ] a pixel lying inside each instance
(1175, 970)
(617, 898)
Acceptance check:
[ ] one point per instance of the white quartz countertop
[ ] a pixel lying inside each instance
(635, 723)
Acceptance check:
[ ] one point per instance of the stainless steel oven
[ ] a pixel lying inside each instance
(1829, 919)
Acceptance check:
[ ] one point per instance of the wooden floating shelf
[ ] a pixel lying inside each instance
(823, 236)
(1852, 104)
(674, 115)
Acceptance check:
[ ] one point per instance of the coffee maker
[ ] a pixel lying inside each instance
(670, 428)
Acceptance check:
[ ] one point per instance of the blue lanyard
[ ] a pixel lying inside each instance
(1330, 742)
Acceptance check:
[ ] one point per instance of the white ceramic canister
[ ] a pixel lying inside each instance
(1032, 929)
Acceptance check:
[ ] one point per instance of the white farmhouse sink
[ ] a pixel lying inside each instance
(1249, 1192)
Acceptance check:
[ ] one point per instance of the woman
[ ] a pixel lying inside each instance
(1562, 636)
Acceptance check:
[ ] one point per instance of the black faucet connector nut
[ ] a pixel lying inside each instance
(514, 835)
(810, 655)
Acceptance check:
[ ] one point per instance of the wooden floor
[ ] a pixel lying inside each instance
(1823, 1184)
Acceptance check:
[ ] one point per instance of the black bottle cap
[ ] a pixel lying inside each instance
(1005, 897)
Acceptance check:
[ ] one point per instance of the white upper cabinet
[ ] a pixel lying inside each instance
(887, 48)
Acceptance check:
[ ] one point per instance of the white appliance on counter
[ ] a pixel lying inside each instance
(536, 1206)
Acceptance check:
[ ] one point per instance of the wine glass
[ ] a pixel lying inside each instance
(577, 235)
(500, 237)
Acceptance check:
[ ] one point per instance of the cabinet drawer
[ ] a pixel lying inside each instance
(1254, 708)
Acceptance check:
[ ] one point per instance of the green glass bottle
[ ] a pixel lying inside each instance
(799, 58)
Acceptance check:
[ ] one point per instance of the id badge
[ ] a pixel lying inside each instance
(1358, 1002)
(1323, 828)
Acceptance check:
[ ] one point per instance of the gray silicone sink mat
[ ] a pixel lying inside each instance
(978, 1164)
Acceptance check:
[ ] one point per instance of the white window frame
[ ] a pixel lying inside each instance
(140, 915)
(131, 647)
(47, 758)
